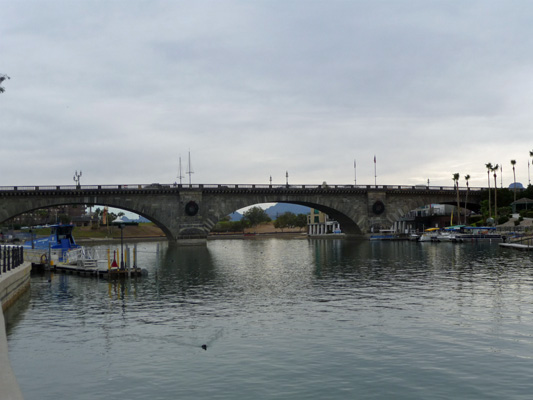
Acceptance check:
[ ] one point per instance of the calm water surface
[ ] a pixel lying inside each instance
(284, 319)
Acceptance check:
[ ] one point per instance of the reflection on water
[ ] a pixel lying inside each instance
(284, 319)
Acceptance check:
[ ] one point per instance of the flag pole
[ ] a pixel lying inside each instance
(355, 172)
(375, 172)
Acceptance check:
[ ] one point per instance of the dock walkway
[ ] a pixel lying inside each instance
(517, 246)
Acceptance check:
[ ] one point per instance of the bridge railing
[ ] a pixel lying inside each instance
(155, 186)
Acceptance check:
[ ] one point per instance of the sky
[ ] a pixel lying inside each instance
(121, 90)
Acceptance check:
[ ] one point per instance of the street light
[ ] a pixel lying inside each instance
(77, 178)
(120, 222)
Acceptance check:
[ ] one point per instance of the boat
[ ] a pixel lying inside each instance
(429, 235)
(450, 234)
(59, 251)
(479, 232)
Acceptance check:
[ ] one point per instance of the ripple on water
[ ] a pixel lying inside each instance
(285, 319)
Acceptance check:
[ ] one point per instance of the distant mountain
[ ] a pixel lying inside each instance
(235, 216)
(281, 208)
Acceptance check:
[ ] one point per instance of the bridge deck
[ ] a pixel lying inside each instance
(230, 187)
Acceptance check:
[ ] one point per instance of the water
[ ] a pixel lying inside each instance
(284, 319)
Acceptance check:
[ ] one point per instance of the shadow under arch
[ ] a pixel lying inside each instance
(23, 208)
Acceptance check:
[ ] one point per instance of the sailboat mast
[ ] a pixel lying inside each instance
(180, 176)
(190, 171)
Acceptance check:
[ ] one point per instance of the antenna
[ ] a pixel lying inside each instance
(190, 171)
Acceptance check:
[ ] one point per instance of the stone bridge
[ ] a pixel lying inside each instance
(189, 212)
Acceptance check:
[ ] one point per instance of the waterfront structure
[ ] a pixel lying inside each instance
(14, 281)
(319, 223)
(522, 204)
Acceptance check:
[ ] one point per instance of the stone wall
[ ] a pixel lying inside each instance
(12, 285)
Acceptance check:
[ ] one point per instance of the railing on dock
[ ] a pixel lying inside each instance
(11, 257)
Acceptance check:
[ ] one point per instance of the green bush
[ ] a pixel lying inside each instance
(503, 219)
(229, 226)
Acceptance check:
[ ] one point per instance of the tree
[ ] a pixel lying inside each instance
(467, 178)
(489, 168)
(513, 163)
(255, 216)
(64, 219)
(456, 184)
(285, 220)
(495, 192)
(528, 176)
(3, 77)
(301, 221)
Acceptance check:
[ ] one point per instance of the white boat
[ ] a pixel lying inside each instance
(429, 235)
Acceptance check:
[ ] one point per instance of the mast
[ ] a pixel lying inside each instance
(180, 176)
(190, 171)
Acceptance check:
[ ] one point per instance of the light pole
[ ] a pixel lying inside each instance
(77, 178)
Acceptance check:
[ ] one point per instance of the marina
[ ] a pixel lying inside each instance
(59, 252)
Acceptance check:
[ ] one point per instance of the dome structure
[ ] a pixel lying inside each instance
(517, 184)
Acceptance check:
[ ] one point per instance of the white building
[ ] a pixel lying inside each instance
(319, 223)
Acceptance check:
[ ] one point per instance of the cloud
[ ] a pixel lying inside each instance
(254, 89)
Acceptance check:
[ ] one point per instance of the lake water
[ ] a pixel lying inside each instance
(284, 319)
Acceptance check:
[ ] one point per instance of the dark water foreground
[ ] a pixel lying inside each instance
(285, 319)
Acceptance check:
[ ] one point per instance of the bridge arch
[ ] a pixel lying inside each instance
(17, 208)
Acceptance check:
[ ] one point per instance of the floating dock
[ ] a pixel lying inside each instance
(88, 271)
(81, 261)
(517, 246)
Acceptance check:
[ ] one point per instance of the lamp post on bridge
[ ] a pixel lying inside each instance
(77, 178)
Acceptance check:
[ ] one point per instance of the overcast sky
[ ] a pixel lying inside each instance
(122, 89)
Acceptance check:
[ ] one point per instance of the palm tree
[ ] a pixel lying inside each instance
(456, 184)
(528, 176)
(513, 163)
(467, 177)
(489, 168)
(3, 77)
(495, 193)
